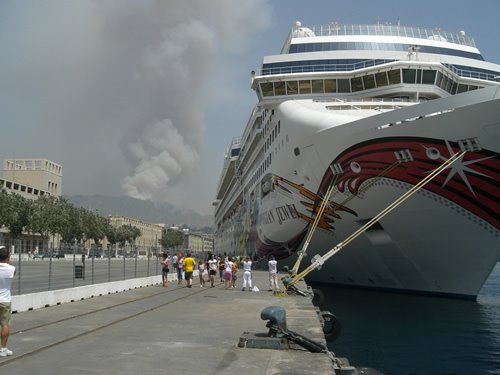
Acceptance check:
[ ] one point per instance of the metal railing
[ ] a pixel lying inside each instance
(322, 67)
(381, 29)
(38, 273)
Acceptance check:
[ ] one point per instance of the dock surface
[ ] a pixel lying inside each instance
(174, 330)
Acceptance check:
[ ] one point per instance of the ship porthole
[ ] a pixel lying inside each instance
(355, 167)
(433, 153)
(296, 151)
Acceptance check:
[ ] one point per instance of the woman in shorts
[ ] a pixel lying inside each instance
(228, 274)
(212, 269)
(165, 263)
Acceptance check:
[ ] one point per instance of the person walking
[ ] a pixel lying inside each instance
(201, 272)
(175, 260)
(165, 263)
(228, 274)
(7, 272)
(273, 274)
(234, 275)
(189, 264)
(247, 274)
(222, 268)
(212, 269)
(180, 260)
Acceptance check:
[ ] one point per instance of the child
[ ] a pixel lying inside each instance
(201, 271)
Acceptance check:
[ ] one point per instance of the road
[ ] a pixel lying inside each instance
(49, 274)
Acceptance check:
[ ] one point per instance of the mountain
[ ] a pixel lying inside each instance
(148, 211)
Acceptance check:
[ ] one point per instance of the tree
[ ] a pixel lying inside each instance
(172, 239)
(17, 215)
(5, 202)
(112, 236)
(45, 217)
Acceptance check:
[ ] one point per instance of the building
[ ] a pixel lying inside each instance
(30, 178)
(198, 242)
(149, 243)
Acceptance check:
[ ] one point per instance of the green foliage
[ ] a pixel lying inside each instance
(48, 216)
(172, 239)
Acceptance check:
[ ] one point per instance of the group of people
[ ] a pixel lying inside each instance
(226, 265)
(184, 266)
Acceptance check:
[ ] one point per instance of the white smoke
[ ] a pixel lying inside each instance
(177, 61)
(93, 82)
(161, 152)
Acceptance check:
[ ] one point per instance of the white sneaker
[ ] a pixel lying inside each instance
(4, 352)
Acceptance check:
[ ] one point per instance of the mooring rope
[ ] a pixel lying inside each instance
(318, 260)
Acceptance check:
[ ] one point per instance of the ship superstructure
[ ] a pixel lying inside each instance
(370, 109)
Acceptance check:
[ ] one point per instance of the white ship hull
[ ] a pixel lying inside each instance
(373, 129)
(431, 243)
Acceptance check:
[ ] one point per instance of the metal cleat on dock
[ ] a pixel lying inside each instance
(280, 337)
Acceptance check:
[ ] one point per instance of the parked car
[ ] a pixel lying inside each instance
(40, 256)
(57, 254)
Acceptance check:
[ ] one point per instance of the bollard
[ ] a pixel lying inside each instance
(276, 315)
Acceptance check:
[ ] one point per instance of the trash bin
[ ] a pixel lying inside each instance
(78, 272)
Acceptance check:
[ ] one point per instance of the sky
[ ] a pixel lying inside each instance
(142, 98)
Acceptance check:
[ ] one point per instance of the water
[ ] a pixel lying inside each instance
(408, 334)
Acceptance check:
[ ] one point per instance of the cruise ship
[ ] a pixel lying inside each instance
(366, 112)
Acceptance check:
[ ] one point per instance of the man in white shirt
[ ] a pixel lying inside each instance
(247, 274)
(7, 272)
(273, 274)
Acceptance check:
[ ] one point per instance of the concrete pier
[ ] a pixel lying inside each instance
(174, 330)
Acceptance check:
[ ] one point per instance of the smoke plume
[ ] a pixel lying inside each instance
(113, 90)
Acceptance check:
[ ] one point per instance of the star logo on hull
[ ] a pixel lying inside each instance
(458, 167)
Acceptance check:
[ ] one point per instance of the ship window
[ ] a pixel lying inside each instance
(267, 89)
(439, 79)
(444, 81)
(453, 88)
(330, 85)
(344, 85)
(461, 88)
(394, 76)
(292, 88)
(279, 126)
(317, 86)
(409, 75)
(449, 82)
(305, 87)
(419, 76)
(356, 84)
(381, 79)
(471, 87)
(428, 77)
(369, 81)
(279, 88)
(296, 151)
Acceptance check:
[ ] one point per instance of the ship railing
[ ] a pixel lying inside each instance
(323, 67)
(472, 73)
(366, 100)
(388, 29)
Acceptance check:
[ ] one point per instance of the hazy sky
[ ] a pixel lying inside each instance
(143, 97)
